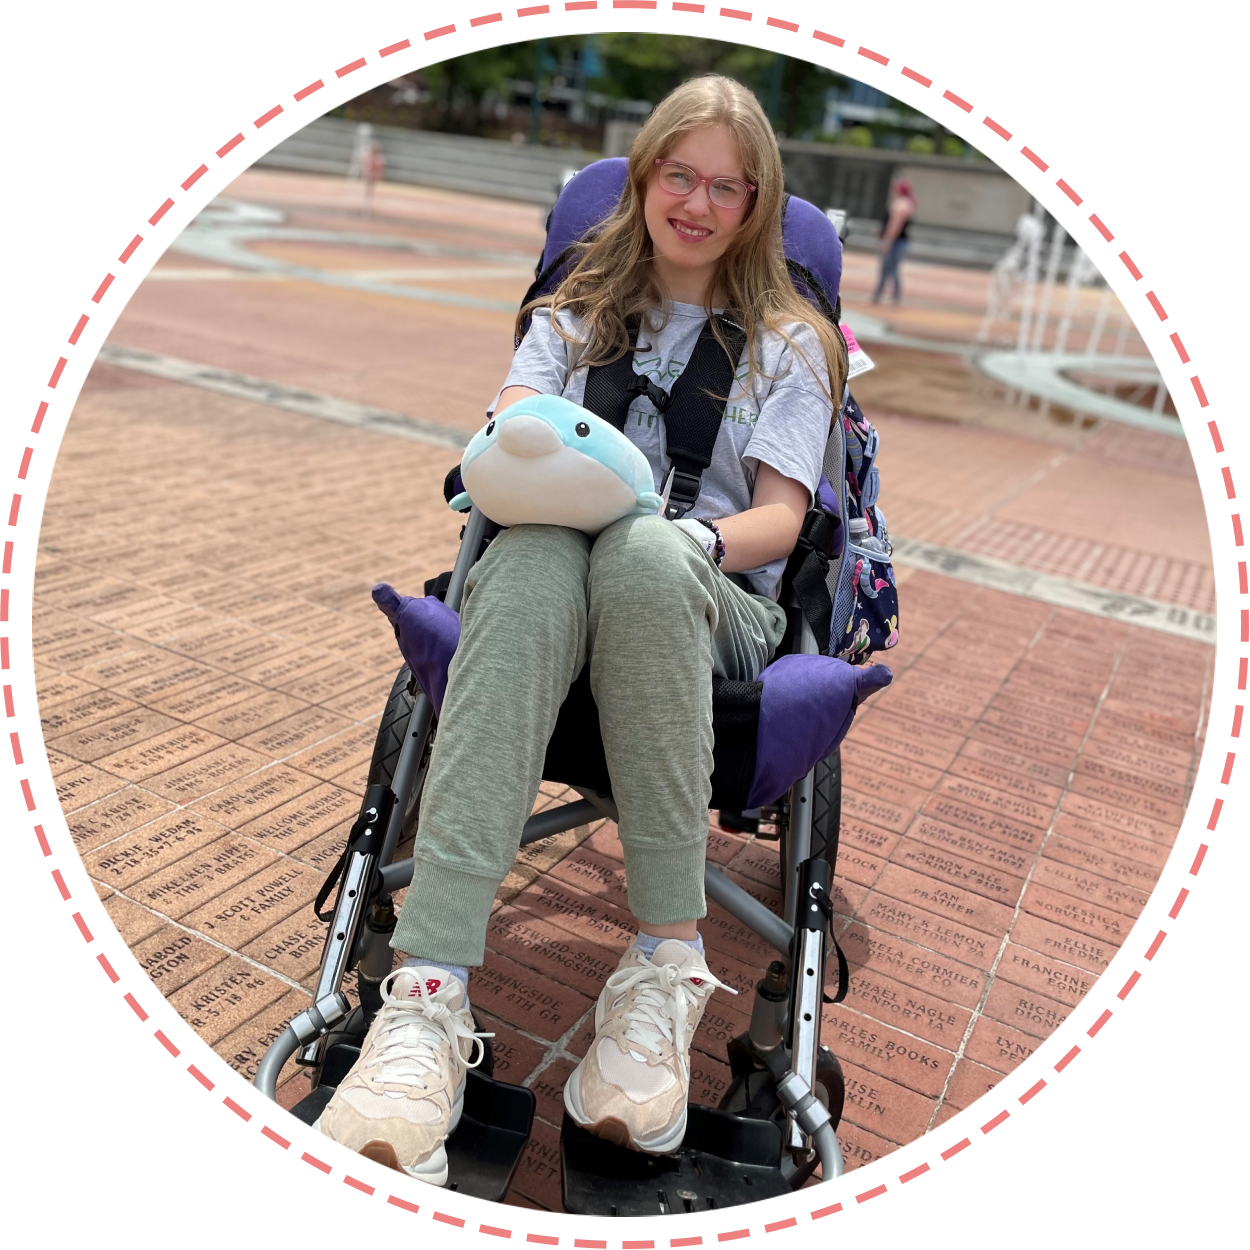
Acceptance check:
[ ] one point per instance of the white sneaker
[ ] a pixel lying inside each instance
(404, 1096)
(634, 1083)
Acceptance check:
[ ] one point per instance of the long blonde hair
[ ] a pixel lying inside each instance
(613, 281)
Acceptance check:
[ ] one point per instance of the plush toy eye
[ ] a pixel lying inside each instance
(582, 430)
(490, 429)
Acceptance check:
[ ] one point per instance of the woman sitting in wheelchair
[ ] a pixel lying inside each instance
(648, 603)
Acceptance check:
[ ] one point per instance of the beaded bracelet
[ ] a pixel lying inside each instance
(719, 553)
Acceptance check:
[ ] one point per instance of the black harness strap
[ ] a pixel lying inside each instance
(610, 388)
(693, 410)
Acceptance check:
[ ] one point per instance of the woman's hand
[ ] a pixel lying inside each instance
(768, 529)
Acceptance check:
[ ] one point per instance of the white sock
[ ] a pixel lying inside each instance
(648, 943)
(456, 970)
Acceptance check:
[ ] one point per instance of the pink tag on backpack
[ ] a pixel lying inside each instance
(857, 359)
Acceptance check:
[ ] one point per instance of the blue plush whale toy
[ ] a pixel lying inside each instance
(545, 461)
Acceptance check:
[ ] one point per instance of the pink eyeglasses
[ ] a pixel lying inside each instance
(679, 179)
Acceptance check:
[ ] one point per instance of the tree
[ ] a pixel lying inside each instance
(647, 67)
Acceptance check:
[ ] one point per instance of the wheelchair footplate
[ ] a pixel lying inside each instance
(483, 1152)
(725, 1160)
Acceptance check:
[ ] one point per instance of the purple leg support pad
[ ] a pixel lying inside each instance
(428, 632)
(806, 709)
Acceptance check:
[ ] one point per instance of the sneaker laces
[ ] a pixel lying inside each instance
(661, 1007)
(409, 1042)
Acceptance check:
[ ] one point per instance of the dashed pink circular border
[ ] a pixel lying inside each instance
(246, 1116)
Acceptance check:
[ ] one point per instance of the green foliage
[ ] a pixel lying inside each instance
(856, 137)
(951, 146)
(648, 67)
(923, 145)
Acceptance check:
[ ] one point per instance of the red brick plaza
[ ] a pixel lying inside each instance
(211, 672)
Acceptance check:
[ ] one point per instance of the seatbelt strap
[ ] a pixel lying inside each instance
(693, 410)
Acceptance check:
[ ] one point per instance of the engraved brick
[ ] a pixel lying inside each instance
(304, 818)
(154, 846)
(225, 997)
(966, 903)
(206, 773)
(912, 1010)
(1009, 806)
(882, 1106)
(970, 1082)
(1055, 941)
(172, 957)
(294, 733)
(1094, 859)
(133, 922)
(1090, 886)
(981, 821)
(925, 928)
(1073, 913)
(111, 736)
(110, 817)
(56, 688)
(1061, 981)
(1097, 812)
(246, 911)
(916, 1065)
(872, 810)
(244, 1048)
(245, 654)
(293, 947)
(196, 878)
(1024, 1009)
(970, 846)
(82, 784)
(903, 737)
(860, 1147)
(526, 999)
(204, 699)
(160, 752)
(248, 716)
(330, 758)
(999, 1046)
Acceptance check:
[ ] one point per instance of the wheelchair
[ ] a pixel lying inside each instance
(777, 1121)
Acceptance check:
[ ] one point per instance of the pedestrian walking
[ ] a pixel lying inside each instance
(901, 209)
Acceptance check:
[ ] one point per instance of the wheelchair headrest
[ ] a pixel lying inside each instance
(810, 240)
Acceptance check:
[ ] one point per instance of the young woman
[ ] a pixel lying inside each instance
(902, 209)
(648, 605)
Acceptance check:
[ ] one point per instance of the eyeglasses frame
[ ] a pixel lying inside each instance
(661, 161)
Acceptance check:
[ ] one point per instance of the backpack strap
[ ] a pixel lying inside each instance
(696, 409)
(610, 388)
(693, 410)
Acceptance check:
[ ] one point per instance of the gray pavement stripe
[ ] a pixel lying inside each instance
(1060, 592)
(1011, 579)
(168, 273)
(290, 398)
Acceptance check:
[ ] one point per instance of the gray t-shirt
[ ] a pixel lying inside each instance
(780, 417)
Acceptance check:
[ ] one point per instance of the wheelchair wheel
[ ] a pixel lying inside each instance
(391, 733)
(827, 807)
(752, 1093)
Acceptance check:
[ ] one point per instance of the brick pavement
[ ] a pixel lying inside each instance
(211, 671)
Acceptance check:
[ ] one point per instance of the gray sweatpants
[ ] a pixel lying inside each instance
(656, 619)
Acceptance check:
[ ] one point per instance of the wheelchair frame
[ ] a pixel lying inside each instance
(800, 935)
